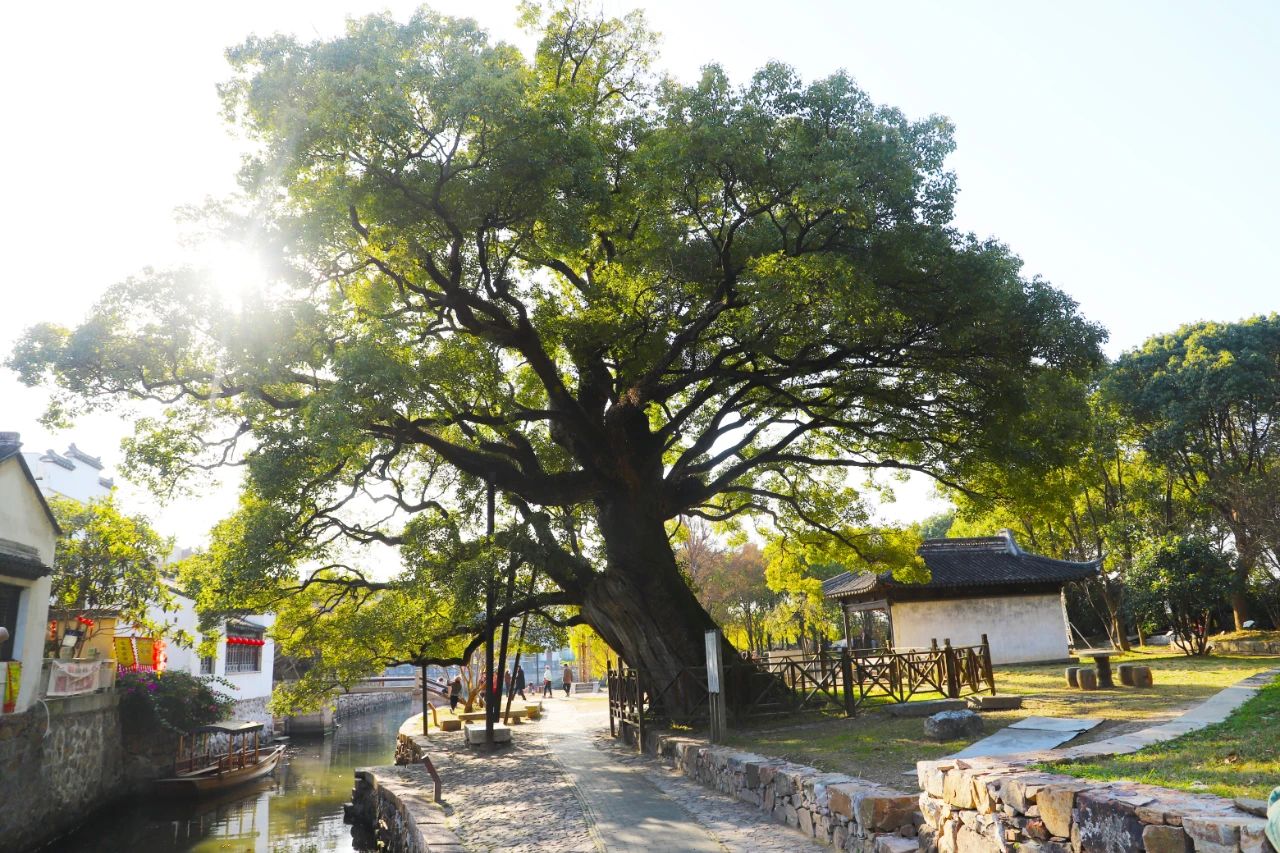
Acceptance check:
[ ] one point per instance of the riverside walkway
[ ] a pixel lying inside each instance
(564, 786)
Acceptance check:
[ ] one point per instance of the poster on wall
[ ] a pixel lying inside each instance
(69, 678)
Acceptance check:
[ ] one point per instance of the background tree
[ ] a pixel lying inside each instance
(107, 560)
(737, 596)
(1104, 499)
(1180, 581)
(617, 298)
(1206, 400)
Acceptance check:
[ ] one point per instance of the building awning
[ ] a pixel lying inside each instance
(991, 564)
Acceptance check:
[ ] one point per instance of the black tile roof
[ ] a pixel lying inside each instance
(967, 563)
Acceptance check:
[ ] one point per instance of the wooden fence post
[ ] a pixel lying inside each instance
(608, 680)
(846, 676)
(949, 663)
(986, 665)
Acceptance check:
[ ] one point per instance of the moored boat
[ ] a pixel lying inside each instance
(202, 767)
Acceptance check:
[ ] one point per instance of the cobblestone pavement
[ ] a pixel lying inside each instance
(514, 799)
(566, 786)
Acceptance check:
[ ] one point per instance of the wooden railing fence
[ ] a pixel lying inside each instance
(839, 681)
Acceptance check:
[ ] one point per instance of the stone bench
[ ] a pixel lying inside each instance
(475, 733)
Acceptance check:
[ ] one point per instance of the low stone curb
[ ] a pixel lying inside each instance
(980, 805)
(847, 813)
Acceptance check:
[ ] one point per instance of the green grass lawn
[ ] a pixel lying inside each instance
(882, 748)
(1239, 757)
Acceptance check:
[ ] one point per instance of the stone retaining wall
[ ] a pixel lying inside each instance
(255, 709)
(57, 768)
(1247, 647)
(395, 804)
(846, 813)
(984, 805)
(351, 704)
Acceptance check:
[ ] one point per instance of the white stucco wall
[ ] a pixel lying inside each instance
(1021, 628)
(23, 520)
(244, 685)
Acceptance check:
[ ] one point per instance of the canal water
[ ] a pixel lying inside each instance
(299, 811)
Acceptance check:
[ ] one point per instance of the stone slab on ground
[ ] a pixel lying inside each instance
(476, 734)
(1031, 734)
(924, 709)
(999, 702)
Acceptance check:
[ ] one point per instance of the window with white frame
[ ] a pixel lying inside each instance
(207, 665)
(244, 651)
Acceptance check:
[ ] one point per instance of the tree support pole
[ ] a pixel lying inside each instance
(490, 603)
(524, 621)
(502, 684)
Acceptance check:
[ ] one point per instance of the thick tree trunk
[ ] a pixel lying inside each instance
(1239, 608)
(642, 607)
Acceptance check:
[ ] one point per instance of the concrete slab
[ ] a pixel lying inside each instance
(1056, 724)
(475, 733)
(924, 709)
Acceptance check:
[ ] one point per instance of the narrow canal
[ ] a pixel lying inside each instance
(299, 811)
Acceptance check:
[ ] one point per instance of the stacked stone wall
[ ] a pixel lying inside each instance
(353, 704)
(255, 709)
(62, 759)
(847, 813)
(1247, 647)
(986, 806)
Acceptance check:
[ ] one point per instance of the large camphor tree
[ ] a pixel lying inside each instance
(618, 298)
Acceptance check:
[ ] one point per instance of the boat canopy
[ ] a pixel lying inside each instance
(231, 727)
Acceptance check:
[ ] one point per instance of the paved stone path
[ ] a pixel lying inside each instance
(566, 786)
(636, 804)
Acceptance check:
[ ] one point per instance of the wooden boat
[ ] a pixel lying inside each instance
(200, 770)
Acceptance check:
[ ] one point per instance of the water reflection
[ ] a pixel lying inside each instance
(299, 811)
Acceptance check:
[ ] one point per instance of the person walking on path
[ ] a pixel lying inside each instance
(546, 683)
(455, 692)
(568, 680)
(518, 682)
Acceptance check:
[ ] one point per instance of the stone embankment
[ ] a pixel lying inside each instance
(396, 803)
(979, 806)
(839, 810)
(353, 704)
(62, 759)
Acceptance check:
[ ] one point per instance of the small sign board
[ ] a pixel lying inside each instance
(713, 661)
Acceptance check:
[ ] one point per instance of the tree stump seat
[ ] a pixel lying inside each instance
(1073, 679)
(1087, 678)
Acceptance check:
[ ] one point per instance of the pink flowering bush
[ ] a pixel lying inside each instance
(174, 700)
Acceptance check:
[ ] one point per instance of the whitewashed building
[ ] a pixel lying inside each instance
(245, 654)
(979, 585)
(28, 536)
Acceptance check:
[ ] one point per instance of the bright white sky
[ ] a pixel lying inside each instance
(1125, 151)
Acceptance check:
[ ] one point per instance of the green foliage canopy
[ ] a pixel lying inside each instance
(617, 297)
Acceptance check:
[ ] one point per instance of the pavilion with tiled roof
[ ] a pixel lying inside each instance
(977, 585)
